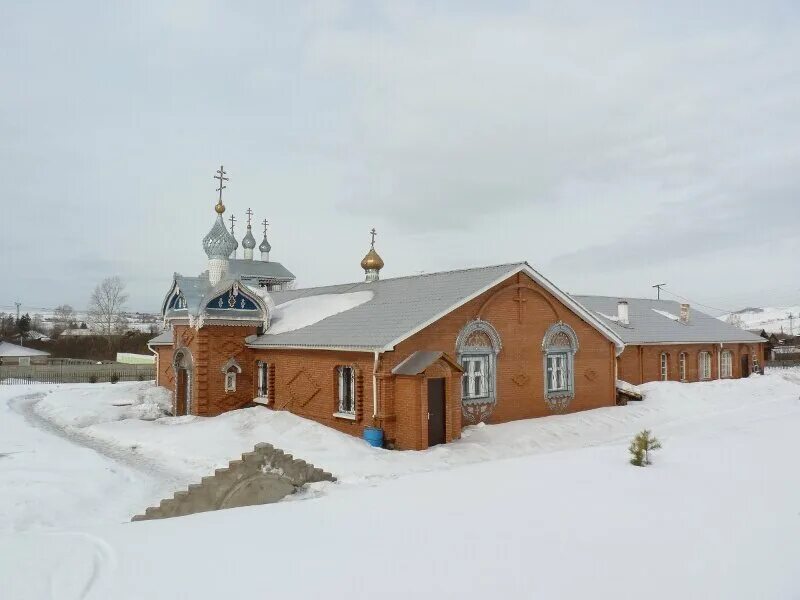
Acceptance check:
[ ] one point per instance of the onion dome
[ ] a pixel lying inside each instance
(219, 243)
(372, 261)
(265, 245)
(248, 242)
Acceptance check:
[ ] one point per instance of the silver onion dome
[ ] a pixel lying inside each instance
(219, 243)
(265, 247)
(249, 242)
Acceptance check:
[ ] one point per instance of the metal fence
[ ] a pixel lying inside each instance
(782, 364)
(75, 373)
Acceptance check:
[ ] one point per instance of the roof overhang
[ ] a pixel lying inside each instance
(693, 343)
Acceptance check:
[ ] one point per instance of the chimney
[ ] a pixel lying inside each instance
(684, 318)
(622, 312)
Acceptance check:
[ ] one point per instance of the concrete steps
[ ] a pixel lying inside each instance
(262, 476)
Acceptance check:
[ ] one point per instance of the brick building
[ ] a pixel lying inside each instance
(669, 341)
(417, 357)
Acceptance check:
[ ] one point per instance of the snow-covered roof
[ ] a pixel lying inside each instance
(377, 315)
(7, 349)
(657, 321)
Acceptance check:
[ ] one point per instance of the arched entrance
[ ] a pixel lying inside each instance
(183, 365)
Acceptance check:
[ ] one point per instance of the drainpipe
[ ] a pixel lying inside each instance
(155, 353)
(375, 387)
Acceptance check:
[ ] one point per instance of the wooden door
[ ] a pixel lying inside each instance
(436, 414)
(181, 392)
(745, 366)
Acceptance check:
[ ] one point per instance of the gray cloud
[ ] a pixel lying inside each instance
(607, 146)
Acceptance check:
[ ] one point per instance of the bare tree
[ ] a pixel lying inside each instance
(63, 318)
(106, 306)
(735, 320)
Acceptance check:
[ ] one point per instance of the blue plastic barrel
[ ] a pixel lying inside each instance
(374, 436)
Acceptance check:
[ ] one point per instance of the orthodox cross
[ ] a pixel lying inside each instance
(222, 179)
(249, 214)
(373, 233)
(520, 304)
(265, 223)
(232, 219)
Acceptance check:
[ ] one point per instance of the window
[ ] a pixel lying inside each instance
(24, 361)
(263, 380)
(559, 347)
(477, 348)
(682, 365)
(664, 367)
(726, 364)
(474, 380)
(230, 381)
(347, 391)
(704, 365)
(558, 372)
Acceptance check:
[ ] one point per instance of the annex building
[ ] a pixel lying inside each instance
(418, 357)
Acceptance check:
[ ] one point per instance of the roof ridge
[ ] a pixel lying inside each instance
(416, 275)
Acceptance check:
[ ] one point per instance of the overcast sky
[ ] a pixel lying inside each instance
(610, 146)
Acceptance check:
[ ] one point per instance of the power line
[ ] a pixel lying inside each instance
(723, 310)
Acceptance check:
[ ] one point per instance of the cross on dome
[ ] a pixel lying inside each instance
(220, 207)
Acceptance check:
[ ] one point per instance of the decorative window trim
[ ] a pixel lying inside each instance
(558, 399)
(231, 364)
(682, 363)
(262, 380)
(726, 370)
(664, 366)
(478, 408)
(230, 381)
(703, 361)
(342, 410)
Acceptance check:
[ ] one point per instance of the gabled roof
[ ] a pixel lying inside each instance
(656, 321)
(7, 349)
(162, 339)
(403, 306)
(418, 361)
(238, 267)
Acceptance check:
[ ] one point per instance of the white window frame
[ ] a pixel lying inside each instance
(682, 366)
(262, 373)
(664, 366)
(726, 370)
(230, 381)
(344, 410)
(704, 365)
(475, 380)
(557, 377)
(24, 361)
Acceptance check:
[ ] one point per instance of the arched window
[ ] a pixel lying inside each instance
(230, 369)
(477, 347)
(558, 354)
(664, 367)
(682, 366)
(704, 365)
(183, 364)
(726, 364)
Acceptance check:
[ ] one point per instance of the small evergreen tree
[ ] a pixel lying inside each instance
(641, 446)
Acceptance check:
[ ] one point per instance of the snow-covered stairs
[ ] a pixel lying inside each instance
(262, 476)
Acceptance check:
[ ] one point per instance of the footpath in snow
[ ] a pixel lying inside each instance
(563, 515)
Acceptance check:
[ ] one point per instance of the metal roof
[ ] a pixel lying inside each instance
(418, 361)
(7, 349)
(650, 327)
(162, 339)
(238, 267)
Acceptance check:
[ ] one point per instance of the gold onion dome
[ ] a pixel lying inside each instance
(372, 260)
(220, 208)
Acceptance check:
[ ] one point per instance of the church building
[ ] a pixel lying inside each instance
(415, 357)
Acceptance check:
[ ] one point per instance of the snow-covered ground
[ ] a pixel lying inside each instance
(540, 508)
(771, 319)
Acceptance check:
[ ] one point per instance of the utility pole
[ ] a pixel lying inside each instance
(791, 325)
(18, 304)
(658, 286)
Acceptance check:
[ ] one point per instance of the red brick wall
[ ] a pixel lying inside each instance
(640, 364)
(520, 370)
(165, 375)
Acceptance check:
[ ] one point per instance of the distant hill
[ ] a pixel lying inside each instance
(770, 319)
